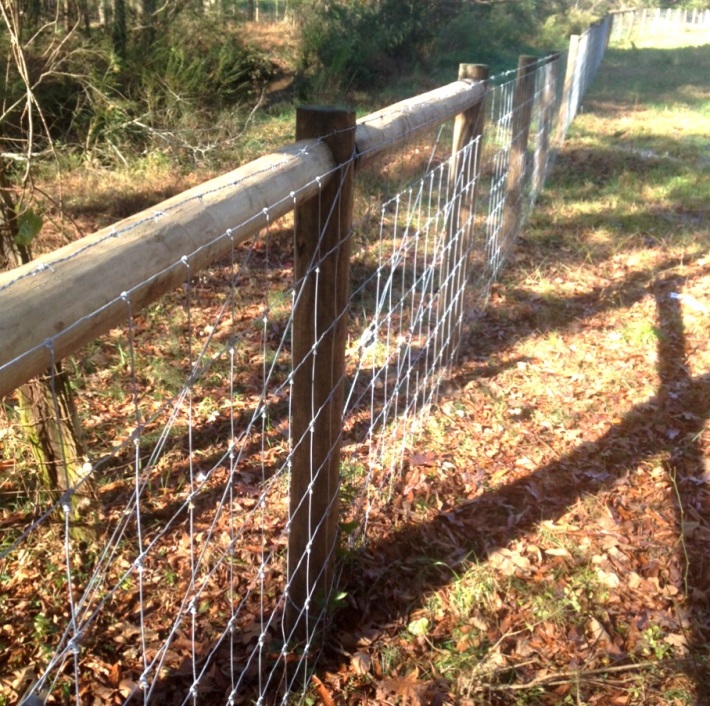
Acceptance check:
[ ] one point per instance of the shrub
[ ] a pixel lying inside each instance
(489, 34)
(89, 97)
(199, 64)
(360, 44)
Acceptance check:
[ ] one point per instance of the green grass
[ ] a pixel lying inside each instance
(635, 169)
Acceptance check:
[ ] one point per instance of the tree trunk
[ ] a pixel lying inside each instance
(148, 8)
(119, 30)
(105, 9)
(51, 426)
(33, 13)
(46, 405)
(68, 15)
(85, 16)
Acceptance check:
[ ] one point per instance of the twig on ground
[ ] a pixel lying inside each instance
(560, 678)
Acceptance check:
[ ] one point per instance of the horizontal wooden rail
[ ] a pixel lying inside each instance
(395, 125)
(61, 301)
(78, 294)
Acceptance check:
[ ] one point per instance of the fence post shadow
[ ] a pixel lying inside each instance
(681, 404)
(685, 463)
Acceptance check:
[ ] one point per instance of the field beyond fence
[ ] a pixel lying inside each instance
(251, 361)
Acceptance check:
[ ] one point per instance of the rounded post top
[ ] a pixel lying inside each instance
(333, 124)
(330, 109)
(526, 59)
(474, 72)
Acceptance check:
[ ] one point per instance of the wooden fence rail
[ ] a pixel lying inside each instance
(65, 299)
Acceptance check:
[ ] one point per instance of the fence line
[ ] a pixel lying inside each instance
(639, 22)
(201, 563)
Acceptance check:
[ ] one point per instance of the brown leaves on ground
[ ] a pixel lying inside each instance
(550, 536)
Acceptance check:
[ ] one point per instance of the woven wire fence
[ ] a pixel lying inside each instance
(650, 22)
(261, 10)
(163, 575)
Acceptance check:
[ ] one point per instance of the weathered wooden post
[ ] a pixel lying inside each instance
(517, 165)
(547, 104)
(582, 73)
(595, 51)
(465, 169)
(642, 31)
(607, 33)
(321, 272)
(609, 30)
(566, 109)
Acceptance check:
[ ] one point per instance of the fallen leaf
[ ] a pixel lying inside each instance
(126, 687)
(608, 578)
(419, 458)
(596, 632)
(509, 562)
(409, 688)
(419, 627)
(557, 551)
(679, 641)
(361, 663)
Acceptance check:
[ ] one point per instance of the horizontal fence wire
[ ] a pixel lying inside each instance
(162, 574)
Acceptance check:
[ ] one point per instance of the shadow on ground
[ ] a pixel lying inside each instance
(416, 557)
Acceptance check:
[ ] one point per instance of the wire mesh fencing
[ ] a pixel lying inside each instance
(242, 429)
(267, 11)
(628, 25)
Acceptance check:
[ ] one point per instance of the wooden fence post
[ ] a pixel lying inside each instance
(517, 165)
(465, 168)
(547, 104)
(608, 25)
(566, 110)
(582, 73)
(321, 273)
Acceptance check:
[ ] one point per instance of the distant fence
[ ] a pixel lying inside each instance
(250, 382)
(656, 21)
(259, 10)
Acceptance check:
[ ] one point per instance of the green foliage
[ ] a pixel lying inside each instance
(364, 44)
(88, 96)
(490, 34)
(556, 30)
(199, 64)
(497, 33)
(29, 224)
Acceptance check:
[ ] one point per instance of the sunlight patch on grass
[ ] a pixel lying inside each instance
(672, 40)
